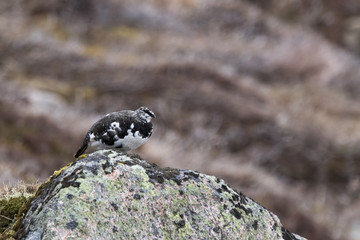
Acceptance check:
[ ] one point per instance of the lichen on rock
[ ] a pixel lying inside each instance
(120, 196)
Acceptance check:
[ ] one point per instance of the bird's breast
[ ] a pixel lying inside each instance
(130, 141)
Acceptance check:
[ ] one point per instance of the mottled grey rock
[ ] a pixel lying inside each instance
(110, 195)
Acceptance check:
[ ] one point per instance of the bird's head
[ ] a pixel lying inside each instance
(145, 113)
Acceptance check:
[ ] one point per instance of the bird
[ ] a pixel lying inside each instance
(123, 130)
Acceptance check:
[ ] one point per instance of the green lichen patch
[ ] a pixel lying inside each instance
(15, 202)
(120, 196)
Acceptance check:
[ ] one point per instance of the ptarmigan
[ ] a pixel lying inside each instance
(124, 130)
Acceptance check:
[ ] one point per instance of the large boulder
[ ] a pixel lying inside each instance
(110, 195)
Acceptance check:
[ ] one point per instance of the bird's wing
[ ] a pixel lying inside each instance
(111, 127)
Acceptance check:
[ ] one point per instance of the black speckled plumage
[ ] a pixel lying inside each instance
(124, 130)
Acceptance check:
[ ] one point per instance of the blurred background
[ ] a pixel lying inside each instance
(264, 94)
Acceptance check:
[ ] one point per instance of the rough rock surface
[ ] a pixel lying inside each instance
(119, 196)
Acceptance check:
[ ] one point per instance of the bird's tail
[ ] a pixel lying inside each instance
(80, 151)
(83, 147)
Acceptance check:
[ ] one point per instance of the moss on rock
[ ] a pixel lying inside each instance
(9, 208)
(14, 204)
